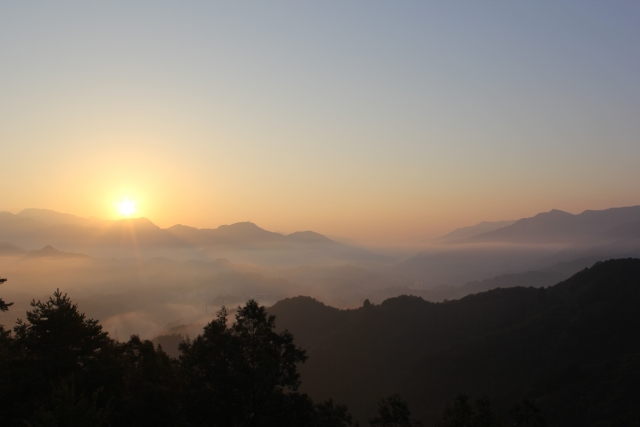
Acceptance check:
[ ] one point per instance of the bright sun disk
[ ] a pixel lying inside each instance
(127, 207)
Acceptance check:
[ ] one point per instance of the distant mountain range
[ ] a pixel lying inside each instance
(42, 224)
(51, 252)
(573, 348)
(49, 217)
(242, 233)
(555, 226)
(8, 249)
(242, 242)
(492, 249)
(474, 230)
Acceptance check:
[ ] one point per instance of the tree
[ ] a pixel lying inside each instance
(6, 357)
(392, 412)
(57, 343)
(3, 305)
(328, 414)
(242, 375)
(5, 336)
(150, 389)
(62, 369)
(60, 337)
(66, 408)
(526, 414)
(462, 414)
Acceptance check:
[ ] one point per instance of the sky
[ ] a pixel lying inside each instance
(377, 121)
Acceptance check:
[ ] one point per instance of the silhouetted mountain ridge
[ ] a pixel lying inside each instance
(242, 233)
(557, 226)
(51, 217)
(32, 221)
(7, 248)
(51, 252)
(572, 347)
(474, 230)
(242, 242)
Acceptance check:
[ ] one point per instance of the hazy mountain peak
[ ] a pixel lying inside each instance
(561, 226)
(246, 230)
(7, 248)
(50, 251)
(244, 225)
(137, 222)
(182, 227)
(308, 236)
(555, 213)
(474, 230)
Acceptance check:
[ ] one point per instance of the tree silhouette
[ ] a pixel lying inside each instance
(5, 336)
(245, 374)
(55, 344)
(526, 414)
(150, 388)
(328, 414)
(61, 369)
(3, 305)
(58, 336)
(66, 408)
(462, 414)
(392, 412)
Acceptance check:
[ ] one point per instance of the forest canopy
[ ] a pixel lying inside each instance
(59, 368)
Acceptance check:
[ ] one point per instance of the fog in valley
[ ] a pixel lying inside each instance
(137, 278)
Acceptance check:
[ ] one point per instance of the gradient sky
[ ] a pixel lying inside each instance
(376, 121)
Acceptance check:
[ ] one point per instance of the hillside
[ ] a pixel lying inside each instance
(559, 226)
(8, 249)
(51, 252)
(456, 265)
(554, 345)
(474, 230)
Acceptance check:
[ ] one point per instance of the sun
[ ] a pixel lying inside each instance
(127, 207)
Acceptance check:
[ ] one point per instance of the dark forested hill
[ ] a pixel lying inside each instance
(574, 348)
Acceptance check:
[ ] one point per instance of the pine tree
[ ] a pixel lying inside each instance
(3, 305)
(244, 374)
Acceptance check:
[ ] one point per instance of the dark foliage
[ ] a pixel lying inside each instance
(56, 344)
(463, 414)
(526, 414)
(65, 408)
(392, 412)
(61, 369)
(3, 305)
(573, 349)
(328, 414)
(245, 374)
(149, 388)
(59, 338)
